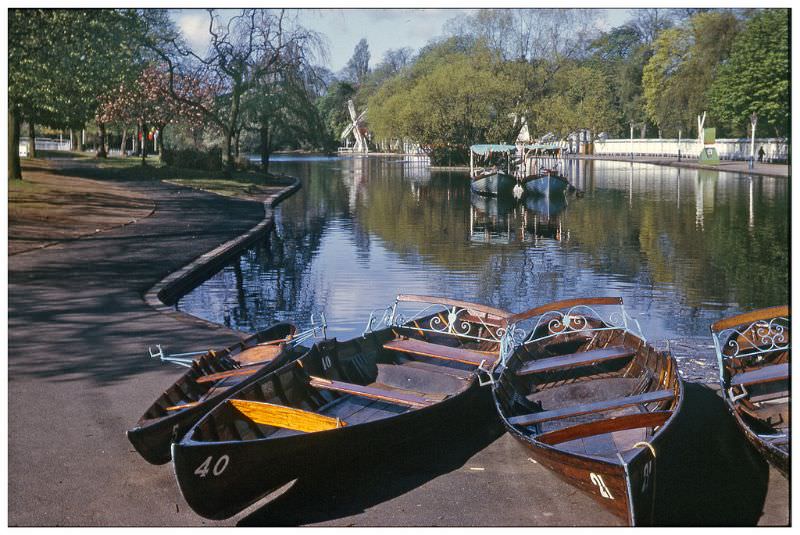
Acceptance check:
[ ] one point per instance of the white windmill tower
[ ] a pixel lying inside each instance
(356, 127)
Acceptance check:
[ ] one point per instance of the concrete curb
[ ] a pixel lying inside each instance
(165, 293)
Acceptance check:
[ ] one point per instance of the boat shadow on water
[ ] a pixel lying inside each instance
(363, 481)
(710, 476)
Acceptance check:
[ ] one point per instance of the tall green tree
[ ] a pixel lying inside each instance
(755, 78)
(464, 99)
(684, 63)
(60, 61)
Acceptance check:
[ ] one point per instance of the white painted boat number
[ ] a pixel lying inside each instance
(219, 466)
(598, 480)
(326, 362)
(646, 475)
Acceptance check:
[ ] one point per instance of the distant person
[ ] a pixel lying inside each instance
(761, 153)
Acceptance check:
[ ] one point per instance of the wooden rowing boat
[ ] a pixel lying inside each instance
(362, 396)
(205, 384)
(591, 400)
(753, 353)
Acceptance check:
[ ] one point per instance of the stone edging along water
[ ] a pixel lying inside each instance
(165, 293)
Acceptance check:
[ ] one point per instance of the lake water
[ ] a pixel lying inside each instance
(683, 247)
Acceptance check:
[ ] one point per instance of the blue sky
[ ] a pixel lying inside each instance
(383, 29)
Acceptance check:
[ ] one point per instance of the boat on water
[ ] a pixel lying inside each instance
(491, 181)
(547, 182)
(542, 180)
(591, 400)
(753, 353)
(367, 395)
(209, 379)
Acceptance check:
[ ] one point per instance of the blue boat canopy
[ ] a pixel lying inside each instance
(484, 150)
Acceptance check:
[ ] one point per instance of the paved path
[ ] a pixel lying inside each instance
(78, 378)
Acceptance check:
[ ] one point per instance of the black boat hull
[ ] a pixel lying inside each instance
(218, 480)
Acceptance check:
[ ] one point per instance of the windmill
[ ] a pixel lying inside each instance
(357, 128)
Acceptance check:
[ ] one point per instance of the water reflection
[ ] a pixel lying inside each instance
(683, 247)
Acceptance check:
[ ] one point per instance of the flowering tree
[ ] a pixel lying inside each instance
(149, 101)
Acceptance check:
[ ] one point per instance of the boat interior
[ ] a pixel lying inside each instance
(758, 389)
(216, 372)
(385, 373)
(589, 392)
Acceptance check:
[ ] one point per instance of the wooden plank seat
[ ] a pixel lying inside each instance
(765, 374)
(260, 353)
(426, 349)
(210, 378)
(610, 425)
(576, 359)
(394, 395)
(600, 406)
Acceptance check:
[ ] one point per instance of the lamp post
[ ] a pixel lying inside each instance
(631, 140)
(753, 121)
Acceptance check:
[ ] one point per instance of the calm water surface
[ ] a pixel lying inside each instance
(683, 248)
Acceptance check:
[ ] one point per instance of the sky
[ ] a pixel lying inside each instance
(384, 29)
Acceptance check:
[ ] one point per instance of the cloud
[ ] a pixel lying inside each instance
(193, 23)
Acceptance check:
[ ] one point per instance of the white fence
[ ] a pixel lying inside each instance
(44, 144)
(728, 149)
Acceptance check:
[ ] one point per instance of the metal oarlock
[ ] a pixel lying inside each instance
(181, 359)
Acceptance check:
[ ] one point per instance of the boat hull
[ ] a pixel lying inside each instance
(237, 474)
(593, 403)
(152, 437)
(546, 185)
(494, 184)
(775, 456)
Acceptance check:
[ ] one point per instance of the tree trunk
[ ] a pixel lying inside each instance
(161, 143)
(233, 119)
(14, 168)
(101, 152)
(144, 143)
(80, 141)
(265, 143)
(73, 137)
(236, 144)
(123, 143)
(227, 160)
(31, 139)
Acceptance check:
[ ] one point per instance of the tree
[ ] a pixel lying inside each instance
(245, 51)
(621, 54)
(580, 99)
(678, 76)
(463, 99)
(755, 78)
(332, 108)
(94, 50)
(357, 66)
(148, 101)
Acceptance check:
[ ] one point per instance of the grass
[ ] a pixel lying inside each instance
(241, 184)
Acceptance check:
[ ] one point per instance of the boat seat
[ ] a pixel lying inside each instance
(210, 378)
(575, 359)
(610, 425)
(395, 395)
(765, 374)
(600, 406)
(426, 349)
